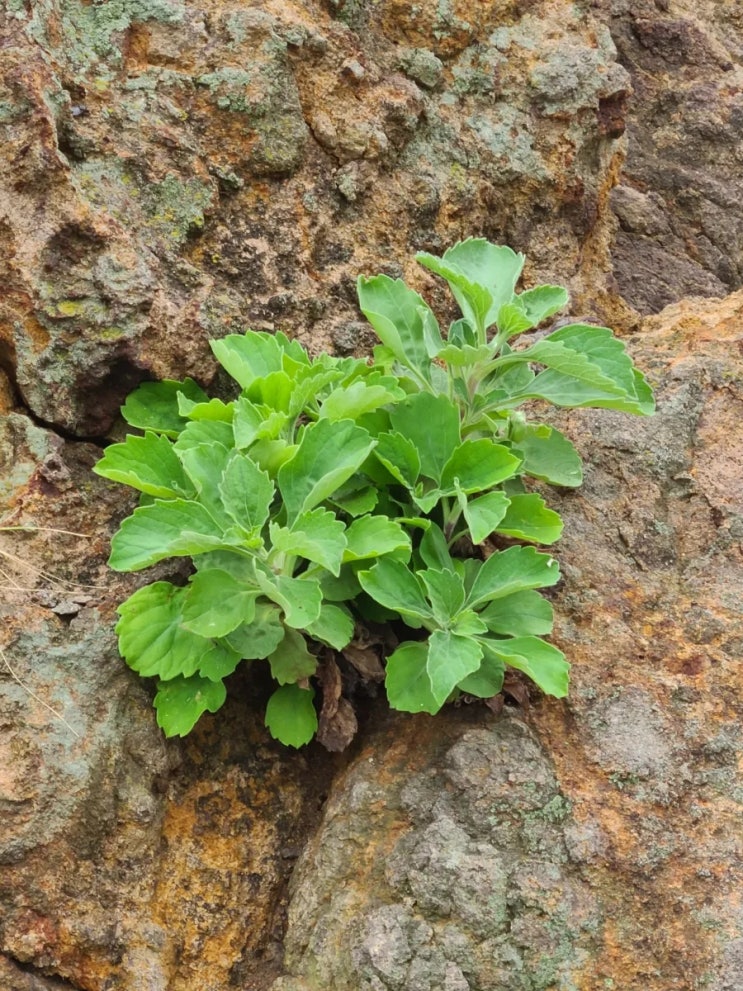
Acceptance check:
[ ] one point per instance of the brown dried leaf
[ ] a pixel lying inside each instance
(336, 733)
(366, 662)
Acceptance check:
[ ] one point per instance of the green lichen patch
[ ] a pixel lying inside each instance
(176, 207)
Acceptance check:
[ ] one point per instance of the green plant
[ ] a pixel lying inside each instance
(336, 492)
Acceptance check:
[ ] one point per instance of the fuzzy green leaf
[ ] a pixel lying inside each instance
(300, 598)
(356, 399)
(154, 405)
(549, 456)
(182, 701)
(316, 535)
(204, 465)
(431, 424)
(434, 550)
(478, 264)
(246, 492)
(152, 640)
(219, 661)
(261, 637)
(543, 663)
(407, 682)
(291, 661)
(216, 603)
(451, 658)
(512, 320)
(327, 456)
(291, 716)
(399, 456)
(334, 626)
(392, 584)
(484, 514)
(374, 536)
(176, 528)
(445, 591)
(247, 357)
(522, 614)
(541, 302)
(487, 681)
(148, 464)
(513, 570)
(396, 313)
(478, 465)
(528, 518)
(198, 432)
(215, 409)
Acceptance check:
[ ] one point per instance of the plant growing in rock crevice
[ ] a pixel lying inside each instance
(333, 492)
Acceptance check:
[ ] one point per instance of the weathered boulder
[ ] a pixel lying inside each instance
(678, 205)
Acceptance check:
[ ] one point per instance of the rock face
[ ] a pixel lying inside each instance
(177, 170)
(678, 205)
(201, 167)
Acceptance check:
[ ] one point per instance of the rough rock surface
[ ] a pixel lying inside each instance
(602, 846)
(679, 206)
(176, 170)
(204, 166)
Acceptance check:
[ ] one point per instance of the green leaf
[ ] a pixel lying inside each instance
(219, 661)
(300, 598)
(152, 640)
(478, 465)
(445, 592)
(176, 528)
(247, 357)
(327, 456)
(291, 716)
(407, 682)
(216, 603)
(334, 626)
(246, 492)
(181, 701)
(521, 614)
(198, 432)
(396, 313)
(148, 464)
(592, 369)
(512, 320)
(154, 405)
(341, 589)
(476, 264)
(484, 514)
(215, 409)
(316, 535)
(204, 464)
(543, 663)
(392, 584)
(399, 456)
(468, 624)
(291, 661)
(356, 498)
(549, 456)
(431, 424)
(261, 637)
(487, 681)
(528, 518)
(541, 302)
(434, 550)
(356, 399)
(513, 570)
(374, 536)
(451, 658)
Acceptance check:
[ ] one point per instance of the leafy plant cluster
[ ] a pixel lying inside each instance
(333, 492)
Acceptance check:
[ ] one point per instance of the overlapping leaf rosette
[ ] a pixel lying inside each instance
(333, 492)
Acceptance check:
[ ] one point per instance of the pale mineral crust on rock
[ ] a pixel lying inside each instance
(179, 169)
